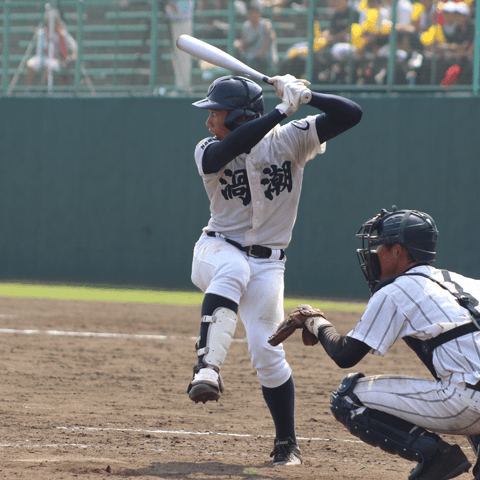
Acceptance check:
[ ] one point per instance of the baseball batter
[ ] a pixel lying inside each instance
(435, 312)
(252, 169)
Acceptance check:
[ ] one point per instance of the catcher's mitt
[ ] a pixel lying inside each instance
(297, 319)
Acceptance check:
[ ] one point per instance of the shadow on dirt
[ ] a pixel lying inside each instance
(210, 470)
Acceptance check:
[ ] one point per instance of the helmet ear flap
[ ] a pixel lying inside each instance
(232, 119)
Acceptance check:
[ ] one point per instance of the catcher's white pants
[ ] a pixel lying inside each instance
(257, 286)
(436, 406)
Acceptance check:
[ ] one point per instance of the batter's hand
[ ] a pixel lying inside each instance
(279, 83)
(292, 96)
(307, 318)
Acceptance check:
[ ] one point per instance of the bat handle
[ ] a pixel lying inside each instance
(306, 96)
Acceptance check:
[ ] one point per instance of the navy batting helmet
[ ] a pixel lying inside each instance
(241, 96)
(413, 229)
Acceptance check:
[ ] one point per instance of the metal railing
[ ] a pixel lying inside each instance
(125, 47)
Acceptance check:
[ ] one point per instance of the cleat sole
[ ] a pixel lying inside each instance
(204, 393)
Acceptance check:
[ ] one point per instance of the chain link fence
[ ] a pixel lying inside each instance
(126, 47)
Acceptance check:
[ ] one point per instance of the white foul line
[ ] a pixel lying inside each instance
(81, 334)
(60, 333)
(28, 444)
(186, 432)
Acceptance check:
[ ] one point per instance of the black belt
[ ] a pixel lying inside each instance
(256, 251)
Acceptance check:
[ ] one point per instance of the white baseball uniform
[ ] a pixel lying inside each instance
(418, 307)
(254, 201)
(41, 57)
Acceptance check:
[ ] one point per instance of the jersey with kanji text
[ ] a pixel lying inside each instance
(254, 198)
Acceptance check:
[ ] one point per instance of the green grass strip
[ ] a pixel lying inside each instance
(138, 295)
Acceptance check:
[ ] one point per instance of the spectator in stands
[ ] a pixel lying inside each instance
(257, 41)
(459, 31)
(427, 13)
(404, 14)
(340, 23)
(372, 41)
(373, 26)
(215, 27)
(354, 60)
(427, 22)
(180, 15)
(63, 48)
(331, 62)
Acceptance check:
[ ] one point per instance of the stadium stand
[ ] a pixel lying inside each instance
(116, 41)
(126, 45)
(115, 45)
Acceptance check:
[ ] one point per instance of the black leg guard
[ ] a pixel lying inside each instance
(380, 429)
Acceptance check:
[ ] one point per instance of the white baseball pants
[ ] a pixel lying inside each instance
(436, 406)
(257, 286)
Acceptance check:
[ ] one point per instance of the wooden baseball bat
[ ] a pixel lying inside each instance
(215, 56)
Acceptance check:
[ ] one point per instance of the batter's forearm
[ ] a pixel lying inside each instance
(241, 140)
(339, 109)
(340, 115)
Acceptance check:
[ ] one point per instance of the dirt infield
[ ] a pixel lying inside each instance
(114, 406)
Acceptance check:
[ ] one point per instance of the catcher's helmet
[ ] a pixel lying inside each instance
(241, 96)
(413, 229)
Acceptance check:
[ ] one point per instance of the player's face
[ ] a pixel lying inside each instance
(215, 123)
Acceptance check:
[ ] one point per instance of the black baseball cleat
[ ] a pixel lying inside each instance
(286, 452)
(205, 386)
(203, 393)
(475, 443)
(448, 462)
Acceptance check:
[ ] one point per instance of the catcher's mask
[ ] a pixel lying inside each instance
(241, 96)
(416, 230)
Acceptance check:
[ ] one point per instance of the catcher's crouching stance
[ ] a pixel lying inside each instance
(434, 312)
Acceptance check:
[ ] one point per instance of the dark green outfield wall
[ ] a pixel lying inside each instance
(106, 190)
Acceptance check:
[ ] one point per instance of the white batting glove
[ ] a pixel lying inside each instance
(280, 82)
(292, 93)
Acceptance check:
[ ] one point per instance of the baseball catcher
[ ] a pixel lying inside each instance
(436, 313)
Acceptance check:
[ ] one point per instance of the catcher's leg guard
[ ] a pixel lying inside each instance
(212, 347)
(380, 429)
